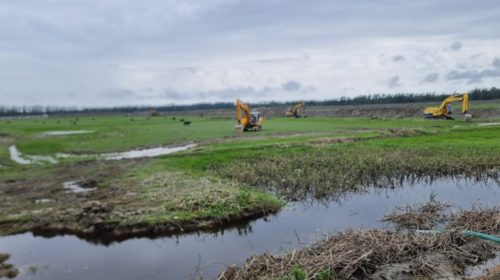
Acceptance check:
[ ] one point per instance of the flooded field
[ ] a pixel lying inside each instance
(205, 254)
(20, 158)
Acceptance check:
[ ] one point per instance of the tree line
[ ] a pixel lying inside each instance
(476, 94)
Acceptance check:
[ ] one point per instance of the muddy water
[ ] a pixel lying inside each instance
(67, 257)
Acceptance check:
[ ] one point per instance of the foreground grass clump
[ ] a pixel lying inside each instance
(163, 202)
(381, 254)
(335, 168)
(324, 172)
(177, 196)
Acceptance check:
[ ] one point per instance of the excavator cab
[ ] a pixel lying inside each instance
(254, 118)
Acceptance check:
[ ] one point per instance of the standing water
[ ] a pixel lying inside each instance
(182, 257)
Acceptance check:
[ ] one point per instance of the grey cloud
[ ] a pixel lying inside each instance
(291, 86)
(104, 40)
(431, 78)
(227, 93)
(474, 76)
(456, 46)
(496, 63)
(397, 58)
(475, 56)
(174, 95)
(118, 93)
(236, 92)
(394, 82)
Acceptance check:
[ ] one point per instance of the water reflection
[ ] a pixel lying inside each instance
(178, 257)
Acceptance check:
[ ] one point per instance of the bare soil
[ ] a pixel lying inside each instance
(112, 212)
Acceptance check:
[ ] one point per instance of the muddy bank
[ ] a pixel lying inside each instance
(383, 254)
(91, 223)
(7, 270)
(102, 201)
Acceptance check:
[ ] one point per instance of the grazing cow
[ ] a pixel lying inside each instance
(181, 120)
(187, 122)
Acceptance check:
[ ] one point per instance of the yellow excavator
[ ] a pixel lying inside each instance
(247, 120)
(444, 110)
(295, 111)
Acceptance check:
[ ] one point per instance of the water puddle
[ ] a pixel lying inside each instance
(78, 187)
(65, 132)
(489, 124)
(67, 257)
(44, 200)
(20, 158)
(152, 152)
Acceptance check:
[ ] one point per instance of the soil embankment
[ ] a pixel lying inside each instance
(367, 110)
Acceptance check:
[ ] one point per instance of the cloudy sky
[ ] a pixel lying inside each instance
(124, 52)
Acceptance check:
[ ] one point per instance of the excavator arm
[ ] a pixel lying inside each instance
(294, 111)
(443, 112)
(246, 119)
(240, 106)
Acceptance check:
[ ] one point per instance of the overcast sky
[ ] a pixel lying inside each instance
(124, 52)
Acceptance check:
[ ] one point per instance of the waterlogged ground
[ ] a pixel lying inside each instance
(228, 176)
(181, 257)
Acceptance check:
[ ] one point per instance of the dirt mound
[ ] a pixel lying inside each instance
(365, 110)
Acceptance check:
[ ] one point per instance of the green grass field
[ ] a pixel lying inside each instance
(119, 133)
(229, 174)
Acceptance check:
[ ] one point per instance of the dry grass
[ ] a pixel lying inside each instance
(420, 216)
(327, 172)
(176, 191)
(358, 254)
(482, 220)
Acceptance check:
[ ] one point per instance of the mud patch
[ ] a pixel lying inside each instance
(7, 270)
